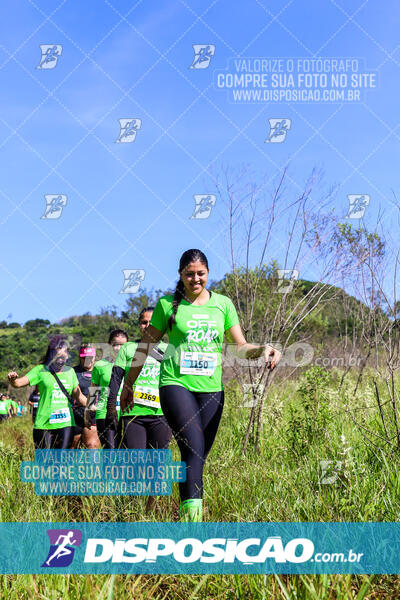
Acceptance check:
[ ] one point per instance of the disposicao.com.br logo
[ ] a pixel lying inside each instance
(199, 548)
(247, 551)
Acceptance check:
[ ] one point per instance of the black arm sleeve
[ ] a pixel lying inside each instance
(117, 376)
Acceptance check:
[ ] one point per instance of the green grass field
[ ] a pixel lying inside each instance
(303, 424)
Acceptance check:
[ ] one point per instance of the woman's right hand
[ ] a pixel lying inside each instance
(12, 376)
(126, 399)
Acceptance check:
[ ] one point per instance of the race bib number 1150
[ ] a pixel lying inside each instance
(198, 363)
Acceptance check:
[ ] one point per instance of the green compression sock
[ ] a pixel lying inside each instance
(191, 510)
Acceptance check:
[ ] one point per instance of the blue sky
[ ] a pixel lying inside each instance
(129, 204)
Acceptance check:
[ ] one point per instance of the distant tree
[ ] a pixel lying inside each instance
(134, 304)
(367, 252)
(35, 323)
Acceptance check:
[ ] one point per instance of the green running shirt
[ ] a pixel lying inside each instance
(4, 404)
(54, 411)
(193, 357)
(101, 376)
(146, 394)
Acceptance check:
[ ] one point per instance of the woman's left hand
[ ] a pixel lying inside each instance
(272, 357)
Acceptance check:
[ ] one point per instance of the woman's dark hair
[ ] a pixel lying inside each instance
(114, 334)
(192, 255)
(55, 342)
(144, 310)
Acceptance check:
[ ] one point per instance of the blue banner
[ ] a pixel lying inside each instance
(240, 548)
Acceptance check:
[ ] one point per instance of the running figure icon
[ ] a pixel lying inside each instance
(62, 549)
(63, 543)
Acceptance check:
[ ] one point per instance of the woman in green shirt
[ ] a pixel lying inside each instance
(54, 421)
(143, 425)
(101, 375)
(191, 391)
(5, 407)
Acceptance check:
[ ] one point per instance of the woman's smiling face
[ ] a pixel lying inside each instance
(194, 277)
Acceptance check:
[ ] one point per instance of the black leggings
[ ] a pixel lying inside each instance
(143, 431)
(106, 432)
(59, 439)
(194, 418)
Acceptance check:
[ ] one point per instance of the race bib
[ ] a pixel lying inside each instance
(35, 404)
(198, 363)
(60, 416)
(146, 397)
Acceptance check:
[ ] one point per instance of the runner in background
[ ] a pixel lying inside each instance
(191, 390)
(4, 407)
(34, 402)
(14, 407)
(87, 436)
(54, 422)
(144, 425)
(101, 376)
